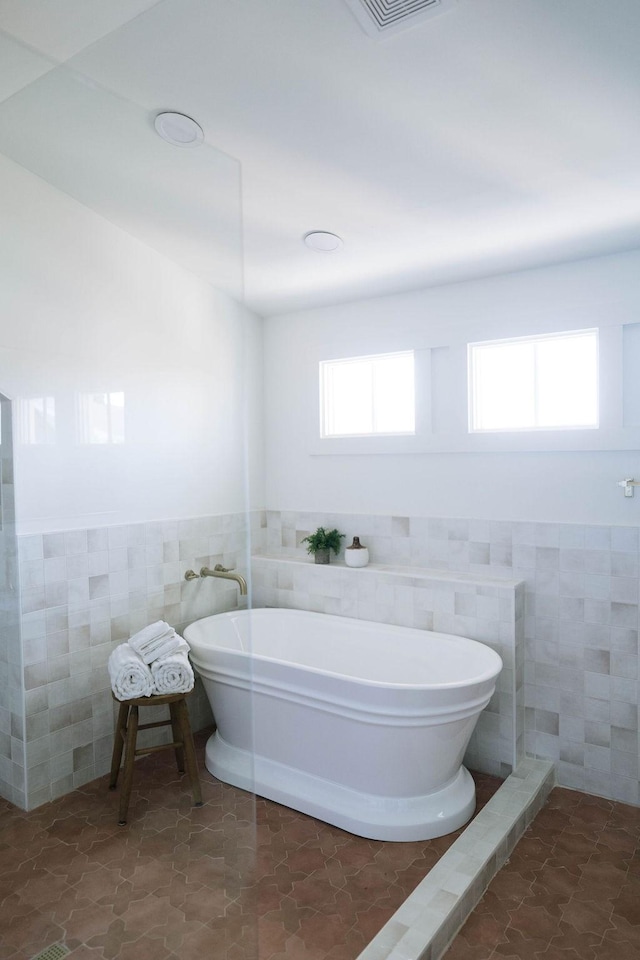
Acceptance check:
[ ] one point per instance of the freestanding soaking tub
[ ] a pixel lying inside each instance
(360, 724)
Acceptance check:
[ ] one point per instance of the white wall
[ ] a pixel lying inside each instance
(86, 308)
(555, 486)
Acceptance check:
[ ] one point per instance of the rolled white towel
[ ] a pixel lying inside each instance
(173, 674)
(157, 640)
(130, 676)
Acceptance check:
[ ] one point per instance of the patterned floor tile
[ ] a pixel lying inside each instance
(240, 878)
(569, 892)
(245, 879)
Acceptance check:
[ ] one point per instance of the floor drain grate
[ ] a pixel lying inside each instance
(55, 952)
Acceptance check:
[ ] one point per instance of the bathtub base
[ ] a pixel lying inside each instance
(363, 814)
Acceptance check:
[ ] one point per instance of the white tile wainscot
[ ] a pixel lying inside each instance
(82, 593)
(488, 609)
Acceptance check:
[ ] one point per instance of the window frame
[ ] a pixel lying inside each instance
(324, 399)
(472, 391)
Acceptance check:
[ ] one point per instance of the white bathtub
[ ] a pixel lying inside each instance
(360, 724)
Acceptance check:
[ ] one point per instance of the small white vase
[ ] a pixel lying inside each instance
(356, 555)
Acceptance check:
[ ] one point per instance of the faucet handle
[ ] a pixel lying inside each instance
(222, 569)
(191, 575)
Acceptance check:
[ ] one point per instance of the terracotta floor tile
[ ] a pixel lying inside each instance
(627, 818)
(550, 832)
(199, 942)
(304, 861)
(462, 950)
(617, 839)
(43, 890)
(103, 884)
(370, 920)
(353, 946)
(582, 901)
(483, 930)
(314, 890)
(510, 887)
(575, 845)
(526, 866)
(610, 950)
(559, 953)
(143, 949)
(321, 933)
(551, 903)
(622, 930)
(588, 916)
(597, 814)
(556, 880)
(245, 879)
(627, 904)
(606, 854)
(30, 932)
(61, 910)
(514, 945)
(179, 882)
(599, 872)
(89, 921)
(534, 923)
(582, 828)
(585, 943)
(495, 904)
(348, 907)
(564, 861)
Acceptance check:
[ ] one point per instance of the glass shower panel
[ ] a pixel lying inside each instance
(127, 350)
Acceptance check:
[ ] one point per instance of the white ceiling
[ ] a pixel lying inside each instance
(504, 134)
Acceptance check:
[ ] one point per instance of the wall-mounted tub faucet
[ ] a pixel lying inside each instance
(225, 574)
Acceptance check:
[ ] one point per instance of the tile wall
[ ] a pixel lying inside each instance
(11, 699)
(85, 591)
(82, 593)
(469, 605)
(581, 623)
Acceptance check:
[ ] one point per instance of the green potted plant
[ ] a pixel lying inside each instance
(322, 542)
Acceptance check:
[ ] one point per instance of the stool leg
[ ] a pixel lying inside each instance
(189, 750)
(177, 736)
(129, 759)
(118, 744)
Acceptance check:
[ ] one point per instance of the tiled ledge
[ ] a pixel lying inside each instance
(426, 923)
(423, 574)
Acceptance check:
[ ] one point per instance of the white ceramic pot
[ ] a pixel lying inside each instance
(356, 555)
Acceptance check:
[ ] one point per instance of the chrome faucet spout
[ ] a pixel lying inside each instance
(225, 574)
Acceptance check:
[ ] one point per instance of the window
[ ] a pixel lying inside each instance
(534, 383)
(367, 396)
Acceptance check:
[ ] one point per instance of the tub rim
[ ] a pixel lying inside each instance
(490, 674)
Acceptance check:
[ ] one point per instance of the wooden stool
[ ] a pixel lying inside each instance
(127, 733)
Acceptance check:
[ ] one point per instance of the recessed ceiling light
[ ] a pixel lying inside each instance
(322, 242)
(178, 129)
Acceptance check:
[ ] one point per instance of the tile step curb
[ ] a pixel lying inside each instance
(426, 923)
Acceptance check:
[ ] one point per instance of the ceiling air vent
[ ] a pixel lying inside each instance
(380, 18)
